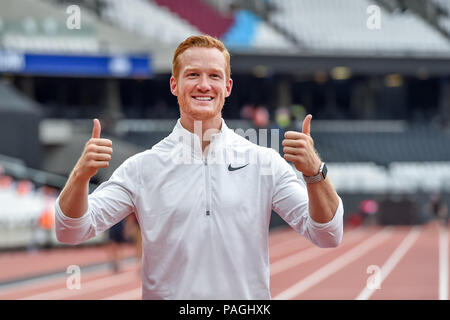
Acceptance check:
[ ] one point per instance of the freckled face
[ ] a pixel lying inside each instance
(202, 85)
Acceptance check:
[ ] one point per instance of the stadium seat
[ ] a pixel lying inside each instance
(340, 26)
(148, 18)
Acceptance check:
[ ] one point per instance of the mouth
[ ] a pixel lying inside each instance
(203, 98)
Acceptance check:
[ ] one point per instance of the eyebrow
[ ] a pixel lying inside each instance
(216, 70)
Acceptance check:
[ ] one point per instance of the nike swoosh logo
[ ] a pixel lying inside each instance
(230, 168)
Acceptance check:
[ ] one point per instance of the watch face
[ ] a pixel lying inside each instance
(324, 171)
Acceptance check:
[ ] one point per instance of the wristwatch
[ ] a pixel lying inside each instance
(318, 177)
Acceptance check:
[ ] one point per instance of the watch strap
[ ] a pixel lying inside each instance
(318, 177)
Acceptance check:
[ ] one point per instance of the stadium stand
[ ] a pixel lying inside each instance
(200, 14)
(42, 27)
(147, 18)
(444, 8)
(23, 203)
(416, 143)
(397, 178)
(173, 21)
(339, 27)
(251, 32)
(435, 13)
(27, 198)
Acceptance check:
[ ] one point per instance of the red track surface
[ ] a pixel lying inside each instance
(409, 261)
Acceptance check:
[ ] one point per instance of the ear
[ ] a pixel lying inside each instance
(228, 87)
(173, 86)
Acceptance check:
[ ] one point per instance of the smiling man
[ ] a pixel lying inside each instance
(204, 224)
(201, 81)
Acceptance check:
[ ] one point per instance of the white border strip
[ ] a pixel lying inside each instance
(443, 263)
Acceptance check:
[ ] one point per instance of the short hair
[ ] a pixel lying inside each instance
(200, 41)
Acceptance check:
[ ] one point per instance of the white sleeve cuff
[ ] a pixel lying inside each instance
(335, 222)
(69, 222)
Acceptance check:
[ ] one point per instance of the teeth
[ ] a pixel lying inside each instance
(203, 98)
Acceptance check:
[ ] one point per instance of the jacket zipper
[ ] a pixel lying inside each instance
(207, 187)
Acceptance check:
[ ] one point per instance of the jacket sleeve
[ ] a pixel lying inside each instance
(290, 201)
(111, 202)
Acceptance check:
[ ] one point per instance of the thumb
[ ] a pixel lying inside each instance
(97, 129)
(306, 127)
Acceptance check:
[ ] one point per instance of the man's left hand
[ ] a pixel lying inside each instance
(298, 147)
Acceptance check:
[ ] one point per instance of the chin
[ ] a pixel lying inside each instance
(203, 114)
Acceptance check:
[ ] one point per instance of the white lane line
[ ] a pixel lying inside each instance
(43, 283)
(91, 286)
(28, 285)
(135, 294)
(334, 265)
(443, 263)
(307, 255)
(392, 261)
(46, 281)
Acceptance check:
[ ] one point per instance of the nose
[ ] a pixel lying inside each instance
(203, 84)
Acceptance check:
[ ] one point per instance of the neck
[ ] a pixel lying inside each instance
(204, 129)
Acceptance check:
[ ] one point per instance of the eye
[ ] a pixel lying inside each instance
(215, 75)
(192, 74)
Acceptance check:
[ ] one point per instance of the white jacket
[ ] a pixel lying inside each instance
(204, 222)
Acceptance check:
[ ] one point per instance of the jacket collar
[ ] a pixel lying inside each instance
(192, 141)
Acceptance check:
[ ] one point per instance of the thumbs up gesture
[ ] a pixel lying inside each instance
(298, 148)
(96, 154)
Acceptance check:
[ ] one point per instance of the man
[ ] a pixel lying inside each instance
(203, 195)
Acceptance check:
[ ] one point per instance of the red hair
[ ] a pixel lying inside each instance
(202, 41)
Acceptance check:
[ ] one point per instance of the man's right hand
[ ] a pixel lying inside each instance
(73, 199)
(96, 154)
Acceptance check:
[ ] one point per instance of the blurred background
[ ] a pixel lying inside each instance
(375, 75)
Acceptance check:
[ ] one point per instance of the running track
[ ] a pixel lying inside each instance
(404, 263)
